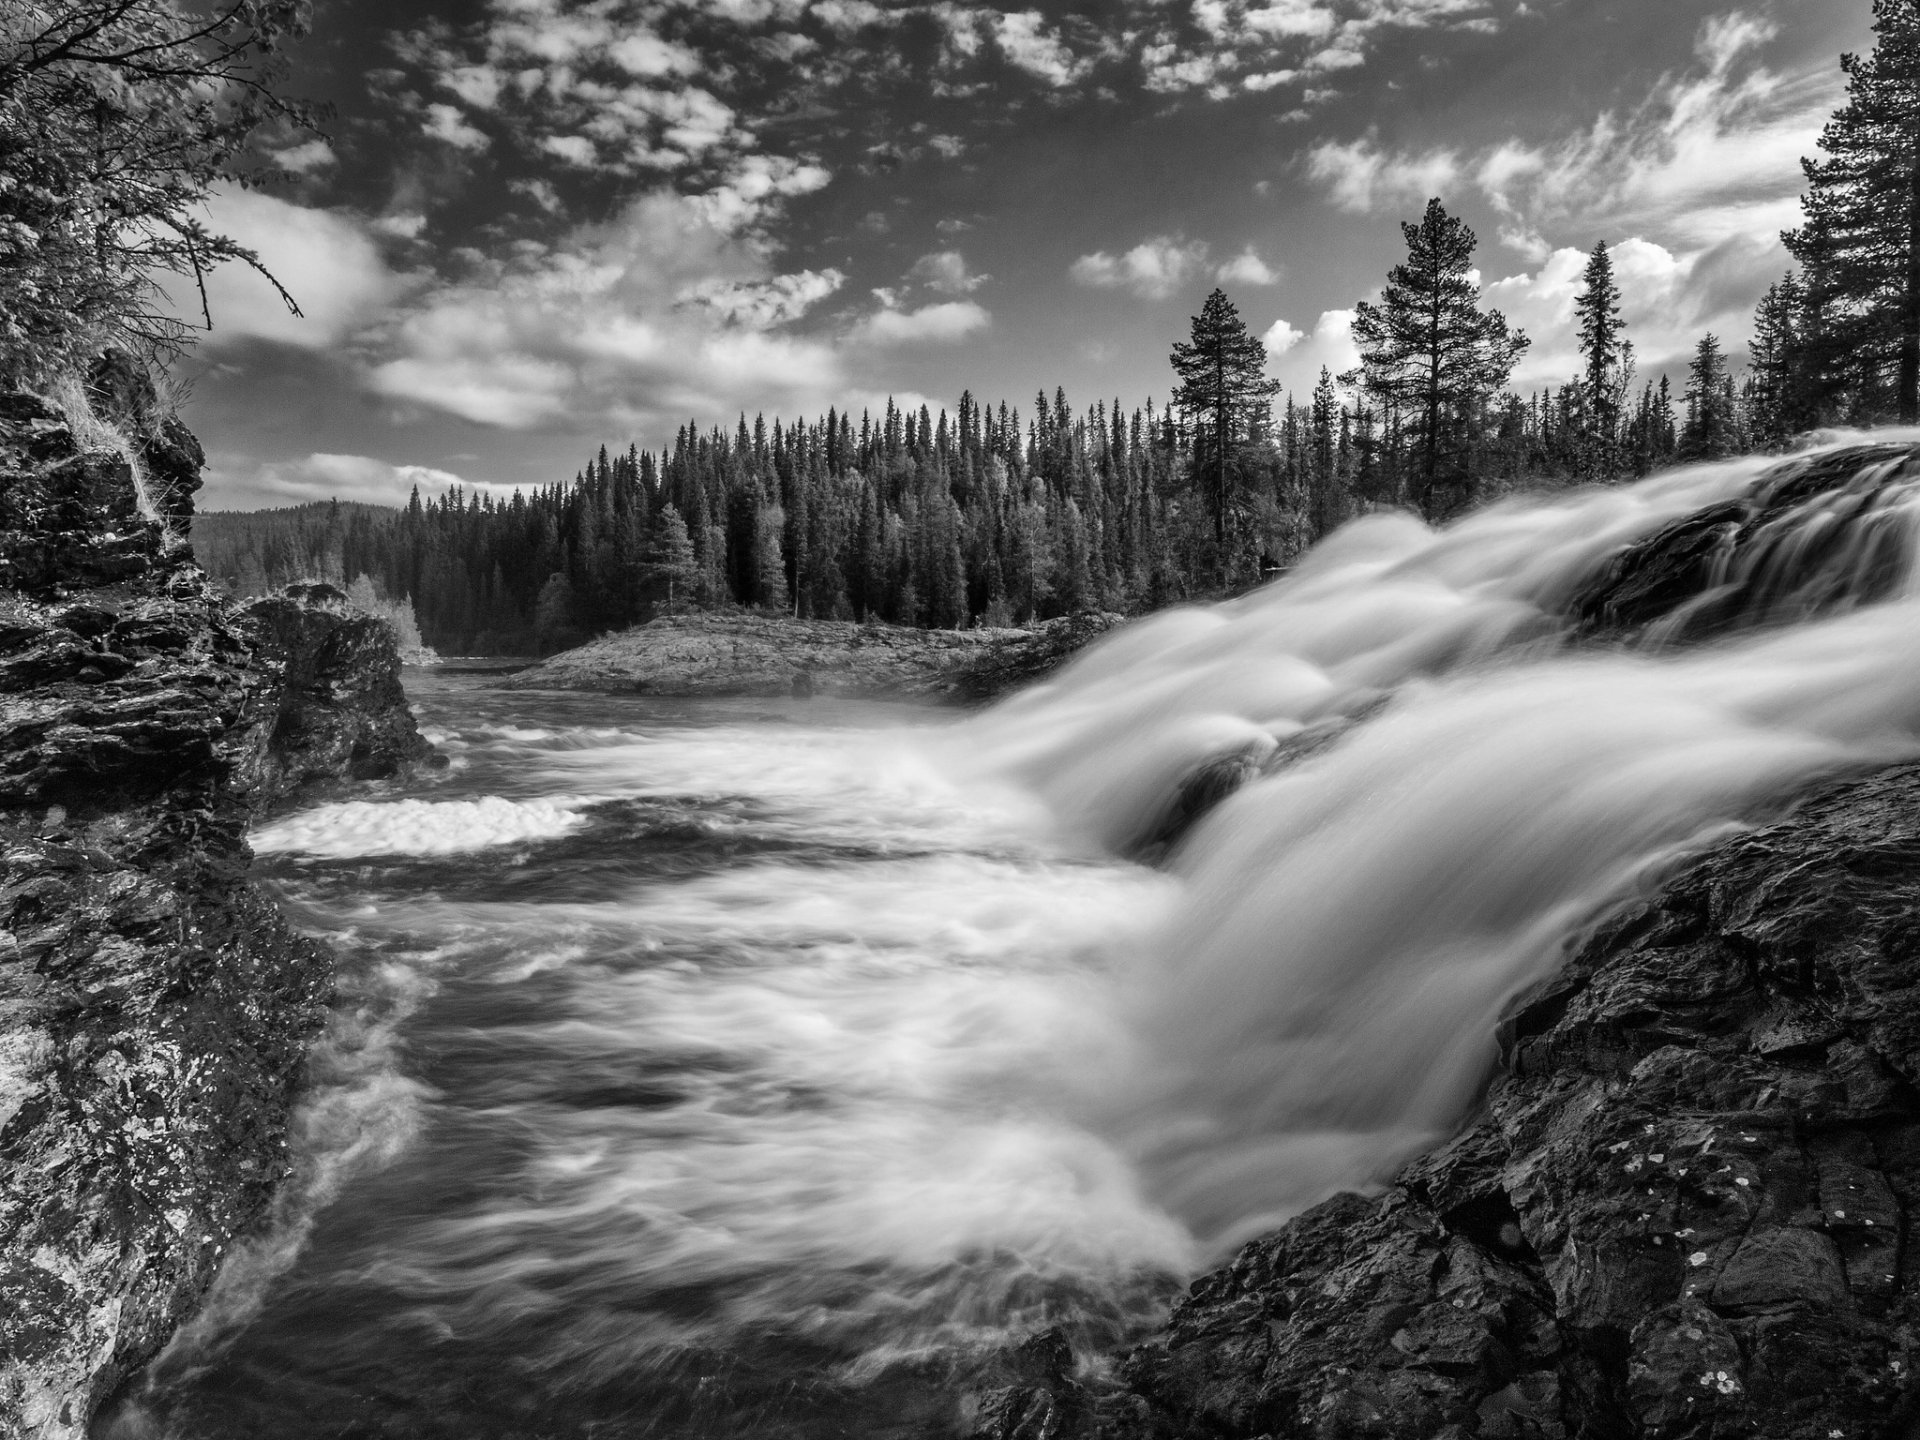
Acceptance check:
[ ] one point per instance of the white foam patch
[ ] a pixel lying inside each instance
(416, 827)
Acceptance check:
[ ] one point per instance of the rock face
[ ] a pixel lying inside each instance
(154, 1006)
(339, 707)
(1813, 537)
(713, 655)
(1687, 1209)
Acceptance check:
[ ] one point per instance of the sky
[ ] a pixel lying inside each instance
(533, 227)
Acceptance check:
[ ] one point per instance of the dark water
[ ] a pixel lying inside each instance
(694, 1074)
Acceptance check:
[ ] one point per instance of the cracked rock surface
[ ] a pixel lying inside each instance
(1686, 1209)
(154, 1005)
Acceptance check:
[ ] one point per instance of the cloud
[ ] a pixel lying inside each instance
(308, 159)
(445, 123)
(1363, 178)
(763, 304)
(325, 477)
(1669, 300)
(1295, 356)
(1708, 157)
(662, 313)
(944, 323)
(326, 259)
(1246, 268)
(946, 271)
(1153, 269)
(1025, 41)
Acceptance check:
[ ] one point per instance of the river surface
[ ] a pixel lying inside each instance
(700, 1068)
(763, 1069)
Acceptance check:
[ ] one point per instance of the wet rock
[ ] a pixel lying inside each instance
(1814, 536)
(154, 1005)
(1687, 1208)
(339, 710)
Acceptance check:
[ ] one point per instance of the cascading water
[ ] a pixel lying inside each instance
(738, 1069)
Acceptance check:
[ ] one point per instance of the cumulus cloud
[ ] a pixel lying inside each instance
(446, 123)
(327, 260)
(1295, 356)
(1153, 269)
(763, 304)
(943, 323)
(663, 312)
(320, 476)
(1246, 268)
(947, 272)
(1669, 300)
(1026, 41)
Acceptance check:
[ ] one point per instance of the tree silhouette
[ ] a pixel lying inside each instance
(1859, 247)
(1428, 352)
(1224, 391)
(1609, 361)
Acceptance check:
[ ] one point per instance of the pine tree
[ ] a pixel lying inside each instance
(1781, 404)
(1609, 363)
(1859, 247)
(1428, 352)
(1709, 429)
(1223, 387)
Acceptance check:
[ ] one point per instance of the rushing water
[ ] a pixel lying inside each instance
(758, 1069)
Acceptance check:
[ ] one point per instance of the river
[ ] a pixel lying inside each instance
(762, 1068)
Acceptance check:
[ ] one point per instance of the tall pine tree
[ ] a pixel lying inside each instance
(1859, 248)
(1429, 353)
(1608, 370)
(1224, 391)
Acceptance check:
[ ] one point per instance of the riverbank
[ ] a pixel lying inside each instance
(697, 656)
(155, 1005)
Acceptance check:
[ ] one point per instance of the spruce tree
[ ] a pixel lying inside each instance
(1609, 363)
(1223, 389)
(1859, 247)
(1708, 433)
(1432, 356)
(1781, 403)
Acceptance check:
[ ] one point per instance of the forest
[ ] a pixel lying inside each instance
(988, 516)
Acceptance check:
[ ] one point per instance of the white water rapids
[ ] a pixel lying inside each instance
(755, 1064)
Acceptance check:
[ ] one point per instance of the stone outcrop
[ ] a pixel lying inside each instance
(746, 654)
(1687, 1208)
(339, 710)
(1813, 537)
(154, 1005)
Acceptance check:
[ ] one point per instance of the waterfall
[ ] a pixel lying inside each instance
(1453, 751)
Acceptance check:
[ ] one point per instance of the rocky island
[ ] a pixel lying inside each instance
(743, 653)
(155, 1007)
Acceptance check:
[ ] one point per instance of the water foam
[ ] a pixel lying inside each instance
(1322, 1005)
(352, 829)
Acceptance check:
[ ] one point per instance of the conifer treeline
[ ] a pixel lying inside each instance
(980, 518)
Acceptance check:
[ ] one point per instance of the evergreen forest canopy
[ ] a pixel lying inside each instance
(117, 116)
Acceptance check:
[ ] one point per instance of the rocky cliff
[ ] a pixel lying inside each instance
(1686, 1211)
(154, 1005)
